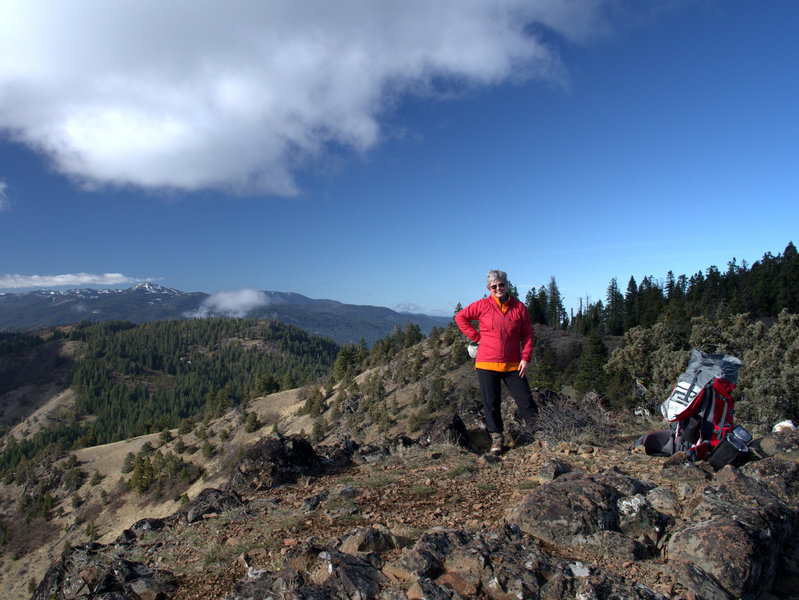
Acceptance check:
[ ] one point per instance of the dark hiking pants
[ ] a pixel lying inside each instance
(519, 389)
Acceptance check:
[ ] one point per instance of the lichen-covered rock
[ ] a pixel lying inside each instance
(780, 476)
(736, 534)
(567, 510)
(664, 501)
(696, 580)
(725, 549)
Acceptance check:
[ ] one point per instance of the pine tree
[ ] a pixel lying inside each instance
(614, 313)
(555, 311)
(631, 311)
(591, 371)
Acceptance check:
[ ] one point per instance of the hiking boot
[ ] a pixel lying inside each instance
(497, 440)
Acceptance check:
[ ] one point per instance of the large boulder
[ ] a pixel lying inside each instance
(567, 510)
(272, 461)
(608, 512)
(736, 534)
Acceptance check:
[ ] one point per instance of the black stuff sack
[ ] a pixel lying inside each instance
(732, 450)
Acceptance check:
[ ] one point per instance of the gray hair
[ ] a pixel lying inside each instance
(496, 275)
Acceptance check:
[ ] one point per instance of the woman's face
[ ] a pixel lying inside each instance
(497, 289)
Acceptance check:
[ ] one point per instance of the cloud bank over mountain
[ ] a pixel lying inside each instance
(66, 280)
(196, 95)
(234, 304)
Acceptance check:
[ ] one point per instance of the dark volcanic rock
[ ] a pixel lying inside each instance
(679, 468)
(369, 454)
(314, 571)
(501, 564)
(449, 429)
(337, 456)
(273, 461)
(90, 571)
(211, 501)
(554, 468)
(786, 583)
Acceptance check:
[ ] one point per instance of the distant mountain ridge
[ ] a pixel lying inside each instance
(153, 302)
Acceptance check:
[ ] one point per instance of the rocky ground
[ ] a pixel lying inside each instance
(414, 519)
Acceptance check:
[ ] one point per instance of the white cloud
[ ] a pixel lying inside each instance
(195, 94)
(3, 195)
(67, 280)
(230, 304)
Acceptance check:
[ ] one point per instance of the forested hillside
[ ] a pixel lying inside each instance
(762, 290)
(133, 379)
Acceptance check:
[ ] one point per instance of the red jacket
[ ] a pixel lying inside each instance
(504, 338)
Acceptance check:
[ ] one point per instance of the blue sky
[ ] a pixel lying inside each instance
(390, 153)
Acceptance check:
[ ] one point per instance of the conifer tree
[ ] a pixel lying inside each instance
(614, 311)
(631, 305)
(591, 370)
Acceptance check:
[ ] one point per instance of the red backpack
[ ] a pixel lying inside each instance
(700, 407)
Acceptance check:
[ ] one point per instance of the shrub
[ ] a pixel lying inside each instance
(252, 423)
(768, 381)
(567, 419)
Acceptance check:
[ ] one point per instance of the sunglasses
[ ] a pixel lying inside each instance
(497, 285)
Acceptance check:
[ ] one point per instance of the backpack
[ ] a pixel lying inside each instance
(700, 407)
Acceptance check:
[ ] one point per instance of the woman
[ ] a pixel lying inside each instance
(505, 338)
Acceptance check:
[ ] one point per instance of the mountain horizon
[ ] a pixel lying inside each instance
(149, 301)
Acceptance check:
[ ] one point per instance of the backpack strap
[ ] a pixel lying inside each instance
(708, 426)
(723, 421)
